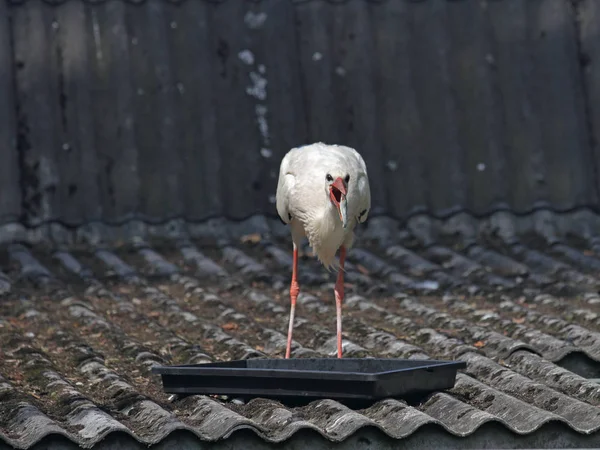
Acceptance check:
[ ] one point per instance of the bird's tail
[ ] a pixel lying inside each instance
(332, 265)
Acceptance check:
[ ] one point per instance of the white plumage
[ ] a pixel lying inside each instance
(322, 193)
(303, 196)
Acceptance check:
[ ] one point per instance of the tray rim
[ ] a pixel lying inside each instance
(201, 370)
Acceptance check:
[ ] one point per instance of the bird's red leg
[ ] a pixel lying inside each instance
(294, 291)
(339, 298)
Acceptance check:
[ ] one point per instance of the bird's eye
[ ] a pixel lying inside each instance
(362, 213)
(347, 179)
(329, 177)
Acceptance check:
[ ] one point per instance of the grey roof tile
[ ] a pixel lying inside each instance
(86, 325)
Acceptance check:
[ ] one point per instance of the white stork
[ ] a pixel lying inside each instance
(322, 193)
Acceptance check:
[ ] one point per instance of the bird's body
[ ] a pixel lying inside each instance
(323, 193)
(302, 195)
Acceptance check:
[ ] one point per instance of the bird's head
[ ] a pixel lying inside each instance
(337, 187)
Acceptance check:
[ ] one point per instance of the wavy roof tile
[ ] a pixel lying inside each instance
(82, 325)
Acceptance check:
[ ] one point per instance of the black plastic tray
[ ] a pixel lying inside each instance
(346, 378)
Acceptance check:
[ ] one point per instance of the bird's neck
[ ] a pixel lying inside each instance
(325, 234)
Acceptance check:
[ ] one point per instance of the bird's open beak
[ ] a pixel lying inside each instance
(338, 197)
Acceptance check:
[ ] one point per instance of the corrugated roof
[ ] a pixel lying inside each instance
(83, 325)
(455, 105)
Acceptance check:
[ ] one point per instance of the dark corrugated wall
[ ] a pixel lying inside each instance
(10, 191)
(113, 110)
